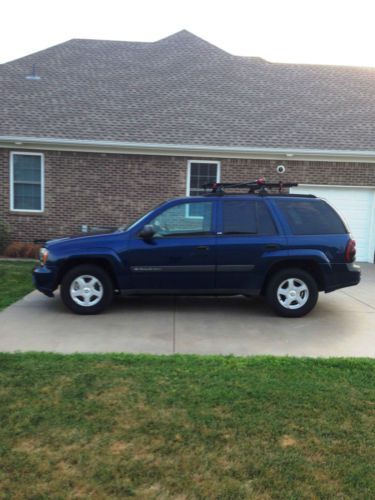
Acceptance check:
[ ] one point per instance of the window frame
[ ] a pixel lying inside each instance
(11, 174)
(188, 179)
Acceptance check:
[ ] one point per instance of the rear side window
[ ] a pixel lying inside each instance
(311, 217)
(246, 217)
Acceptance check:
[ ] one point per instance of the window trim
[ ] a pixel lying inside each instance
(11, 173)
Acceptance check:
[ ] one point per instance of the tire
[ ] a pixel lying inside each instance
(87, 289)
(292, 292)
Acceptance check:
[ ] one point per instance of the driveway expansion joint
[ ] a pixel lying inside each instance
(359, 300)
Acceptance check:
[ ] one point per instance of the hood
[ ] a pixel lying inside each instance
(80, 238)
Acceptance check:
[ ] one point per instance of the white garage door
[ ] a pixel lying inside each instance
(357, 207)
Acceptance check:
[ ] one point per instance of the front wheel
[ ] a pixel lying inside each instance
(87, 289)
(292, 292)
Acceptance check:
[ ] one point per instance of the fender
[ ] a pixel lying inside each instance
(275, 258)
(96, 252)
(310, 254)
(60, 260)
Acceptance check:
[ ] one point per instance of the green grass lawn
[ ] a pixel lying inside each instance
(15, 281)
(113, 426)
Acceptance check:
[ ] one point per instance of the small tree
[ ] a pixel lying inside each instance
(4, 237)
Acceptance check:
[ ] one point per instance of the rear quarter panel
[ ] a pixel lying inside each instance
(331, 246)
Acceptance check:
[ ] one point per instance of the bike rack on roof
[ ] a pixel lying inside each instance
(259, 186)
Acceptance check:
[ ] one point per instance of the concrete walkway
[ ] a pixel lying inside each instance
(342, 324)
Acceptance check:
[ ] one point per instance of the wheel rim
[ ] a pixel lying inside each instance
(293, 293)
(86, 290)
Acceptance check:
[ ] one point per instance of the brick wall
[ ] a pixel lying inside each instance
(112, 189)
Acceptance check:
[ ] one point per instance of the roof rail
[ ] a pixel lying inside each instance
(259, 186)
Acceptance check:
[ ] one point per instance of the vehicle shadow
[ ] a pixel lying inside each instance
(190, 304)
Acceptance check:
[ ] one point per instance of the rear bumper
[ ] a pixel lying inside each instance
(341, 276)
(45, 280)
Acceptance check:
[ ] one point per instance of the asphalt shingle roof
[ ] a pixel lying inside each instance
(183, 90)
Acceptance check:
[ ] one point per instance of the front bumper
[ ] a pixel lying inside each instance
(45, 279)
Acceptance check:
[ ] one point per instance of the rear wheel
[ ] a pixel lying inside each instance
(87, 289)
(292, 292)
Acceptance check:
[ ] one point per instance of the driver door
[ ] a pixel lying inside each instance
(181, 256)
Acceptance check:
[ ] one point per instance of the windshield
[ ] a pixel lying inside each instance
(126, 227)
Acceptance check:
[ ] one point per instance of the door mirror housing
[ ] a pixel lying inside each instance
(147, 232)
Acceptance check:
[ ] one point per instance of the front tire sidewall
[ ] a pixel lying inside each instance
(83, 270)
(276, 281)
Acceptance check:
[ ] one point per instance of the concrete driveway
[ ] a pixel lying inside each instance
(342, 324)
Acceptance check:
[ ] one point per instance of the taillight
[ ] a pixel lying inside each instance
(350, 251)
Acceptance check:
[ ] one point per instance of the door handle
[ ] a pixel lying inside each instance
(202, 247)
(272, 246)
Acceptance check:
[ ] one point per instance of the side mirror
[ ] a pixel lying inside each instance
(147, 233)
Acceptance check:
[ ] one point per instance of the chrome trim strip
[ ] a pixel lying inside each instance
(230, 268)
(173, 269)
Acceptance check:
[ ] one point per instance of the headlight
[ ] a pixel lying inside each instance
(43, 256)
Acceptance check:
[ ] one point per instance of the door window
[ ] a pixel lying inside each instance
(247, 217)
(177, 222)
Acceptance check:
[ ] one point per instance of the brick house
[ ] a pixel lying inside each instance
(95, 133)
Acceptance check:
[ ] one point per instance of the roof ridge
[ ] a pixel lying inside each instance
(184, 35)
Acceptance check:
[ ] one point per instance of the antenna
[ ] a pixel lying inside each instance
(33, 75)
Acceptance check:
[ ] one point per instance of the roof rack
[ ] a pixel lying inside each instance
(259, 186)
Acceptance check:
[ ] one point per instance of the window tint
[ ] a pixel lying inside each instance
(311, 217)
(239, 216)
(177, 220)
(247, 217)
(265, 221)
(27, 182)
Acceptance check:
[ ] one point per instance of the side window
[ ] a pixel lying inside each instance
(265, 221)
(177, 222)
(26, 182)
(247, 217)
(239, 217)
(311, 217)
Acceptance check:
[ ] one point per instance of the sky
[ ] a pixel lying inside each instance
(305, 31)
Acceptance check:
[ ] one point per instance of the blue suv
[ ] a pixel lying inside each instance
(286, 248)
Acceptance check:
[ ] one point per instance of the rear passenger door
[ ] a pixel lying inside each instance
(248, 240)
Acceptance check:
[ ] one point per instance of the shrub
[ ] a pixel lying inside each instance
(22, 250)
(4, 237)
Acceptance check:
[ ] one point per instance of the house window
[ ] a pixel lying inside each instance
(200, 172)
(26, 182)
